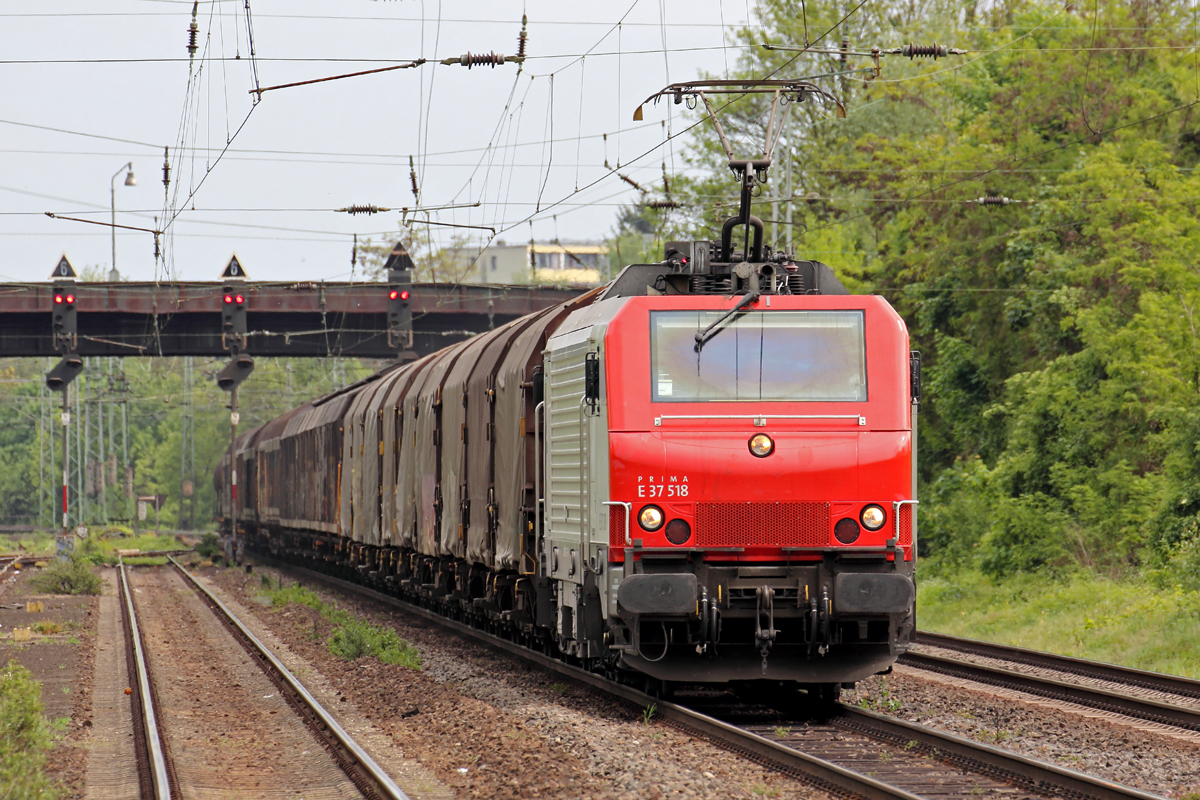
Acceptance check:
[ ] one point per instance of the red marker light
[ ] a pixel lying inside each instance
(404, 295)
(228, 298)
(70, 299)
(239, 299)
(58, 299)
(393, 294)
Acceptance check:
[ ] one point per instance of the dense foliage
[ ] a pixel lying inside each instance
(1060, 332)
(143, 403)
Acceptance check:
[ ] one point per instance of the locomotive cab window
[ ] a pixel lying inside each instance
(814, 356)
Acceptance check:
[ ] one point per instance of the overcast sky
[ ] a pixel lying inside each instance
(89, 86)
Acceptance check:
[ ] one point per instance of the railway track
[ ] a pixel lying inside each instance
(187, 658)
(846, 751)
(8, 562)
(1106, 687)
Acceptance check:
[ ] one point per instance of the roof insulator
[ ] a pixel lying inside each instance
(522, 37)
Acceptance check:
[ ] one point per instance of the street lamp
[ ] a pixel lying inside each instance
(112, 187)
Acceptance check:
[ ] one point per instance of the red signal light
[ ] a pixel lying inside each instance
(404, 295)
(70, 299)
(58, 298)
(228, 298)
(393, 294)
(239, 299)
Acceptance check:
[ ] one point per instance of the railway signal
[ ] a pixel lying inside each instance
(234, 300)
(233, 317)
(64, 372)
(236, 371)
(66, 340)
(63, 320)
(399, 296)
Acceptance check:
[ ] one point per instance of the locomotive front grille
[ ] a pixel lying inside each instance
(749, 524)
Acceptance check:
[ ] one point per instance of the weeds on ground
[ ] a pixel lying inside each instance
(25, 737)
(73, 576)
(45, 626)
(781, 732)
(884, 702)
(209, 546)
(648, 713)
(101, 547)
(352, 637)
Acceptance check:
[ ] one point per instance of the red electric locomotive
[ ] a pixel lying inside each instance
(704, 472)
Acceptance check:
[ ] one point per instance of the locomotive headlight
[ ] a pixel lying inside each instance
(651, 518)
(873, 518)
(761, 445)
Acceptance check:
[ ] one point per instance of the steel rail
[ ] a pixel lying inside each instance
(1104, 700)
(159, 775)
(1027, 773)
(1023, 771)
(1159, 682)
(380, 780)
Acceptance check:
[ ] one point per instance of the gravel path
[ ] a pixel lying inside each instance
(492, 726)
(1081, 740)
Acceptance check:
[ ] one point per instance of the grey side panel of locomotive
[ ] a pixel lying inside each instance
(456, 440)
(481, 465)
(576, 446)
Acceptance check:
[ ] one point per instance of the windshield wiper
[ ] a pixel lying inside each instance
(703, 336)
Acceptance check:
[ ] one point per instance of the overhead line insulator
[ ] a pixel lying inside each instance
(631, 182)
(994, 200)
(355, 210)
(934, 51)
(491, 59)
(193, 29)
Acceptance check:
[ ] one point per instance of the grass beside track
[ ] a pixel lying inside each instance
(1135, 623)
(25, 738)
(352, 638)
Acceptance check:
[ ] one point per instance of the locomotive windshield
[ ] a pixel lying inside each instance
(816, 356)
